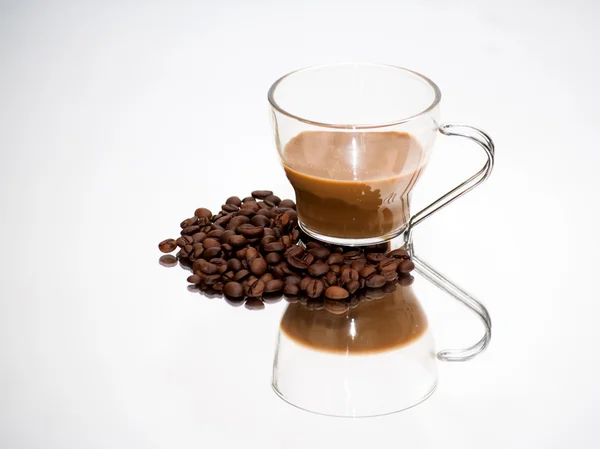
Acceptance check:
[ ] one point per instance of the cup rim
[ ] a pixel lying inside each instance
(436, 100)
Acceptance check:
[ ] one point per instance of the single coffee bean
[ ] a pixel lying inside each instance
(286, 240)
(250, 206)
(352, 285)
(188, 248)
(212, 252)
(209, 268)
(233, 290)
(274, 247)
(335, 269)
(320, 253)
(293, 279)
(260, 220)
(261, 194)
(229, 208)
(268, 231)
(218, 286)
(240, 253)
(367, 271)
(406, 266)
(267, 277)
(198, 252)
(251, 254)
(358, 264)
(267, 239)
(376, 257)
(388, 265)
(241, 274)
(234, 264)
(294, 251)
(194, 279)
(352, 255)
(337, 293)
(237, 221)
(212, 279)
(335, 258)
(250, 231)
(198, 237)
(249, 199)
(225, 236)
(295, 235)
(273, 258)
(390, 275)
(375, 281)
(308, 258)
(318, 269)
(289, 218)
(190, 230)
(274, 199)
(274, 285)
(167, 246)
(256, 288)
(287, 203)
(215, 226)
(234, 200)
(216, 234)
(228, 276)
(258, 266)
(254, 304)
(297, 263)
(336, 307)
(291, 290)
(210, 242)
(168, 260)
(406, 280)
(314, 288)
(399, 253)
(304, 282)
(202, 212)
(246, 213)
(237, 241)
(189, 222)
(331, 278)
(262, 205)
(313, 245)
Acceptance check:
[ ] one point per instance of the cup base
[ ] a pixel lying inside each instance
(351, 241)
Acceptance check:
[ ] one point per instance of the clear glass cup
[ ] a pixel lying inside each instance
(354, 139)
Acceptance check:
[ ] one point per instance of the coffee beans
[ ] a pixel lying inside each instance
(250, 251)
(167, 246)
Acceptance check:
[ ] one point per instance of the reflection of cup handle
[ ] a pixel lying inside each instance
(483, 140)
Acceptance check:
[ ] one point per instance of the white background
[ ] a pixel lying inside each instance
(118, 119)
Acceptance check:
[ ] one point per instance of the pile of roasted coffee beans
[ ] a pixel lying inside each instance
(253, 251)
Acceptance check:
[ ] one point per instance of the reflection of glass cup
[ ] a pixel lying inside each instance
(374, 359)
(354, 139)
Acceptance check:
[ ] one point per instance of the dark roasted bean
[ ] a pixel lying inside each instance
(194, 279)
(167, 246)
(335, 292)
(260, 220)
(190, 230)
(212, 279)
(237, 221)
(320, 253)
(375, 281)
(376, 257)
(210, 253)
(291, 290)
(209, 268)
(318, 269)
(234, 264)
(331, 278)
(234, 200)
(203, 213)
(335, 268)
(406, 266)
(258, 266)
(267, 277)
(251, 254)
(189, 222)
(314, 288)
(389, 275)
(274, 199)
(297, 263)
(293, 279)
(294, 251)
(250, 206)
(198, 237)
(274, 285)
(335, 258)
(261, 194)
(240, 275)
(273, 258)
(246, 213)
(304, 282)
(388, 265)
(274, 247)
(237, 241)
(352, 285)
(287, 203)
(367, 271)
(216, 234)
(399, 253)
(230, 208)
(210, 243)
(352, 255)
(249, 230)
(358, 264)
(226, 235)
(255, 288)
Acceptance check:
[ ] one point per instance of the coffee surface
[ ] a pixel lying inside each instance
(353, 184)
(373, 326)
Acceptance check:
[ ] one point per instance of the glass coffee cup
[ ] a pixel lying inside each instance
(354, 139)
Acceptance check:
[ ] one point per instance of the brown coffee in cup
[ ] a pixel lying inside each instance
(353, 184)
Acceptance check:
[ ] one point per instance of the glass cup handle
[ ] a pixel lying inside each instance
(432, 275)
(485, 142)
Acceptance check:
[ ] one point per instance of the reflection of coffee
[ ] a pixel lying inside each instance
(373, 326)
(353, 185)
